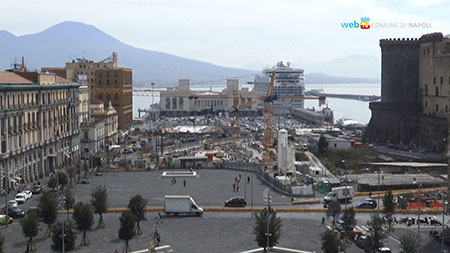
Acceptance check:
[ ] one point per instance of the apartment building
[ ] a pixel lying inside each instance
(39, 127)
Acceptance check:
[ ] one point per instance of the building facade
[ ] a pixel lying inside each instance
(110, 119)
(39, 127)
(106, 81)
(182, 101)
(415, 83)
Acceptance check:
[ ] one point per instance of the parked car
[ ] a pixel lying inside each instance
(384, 250)
(21, 198)
(13, 203)
(16, 212)
(28, 194)
(37, 189)
(236, 202)
(3, 219)
(365, 204)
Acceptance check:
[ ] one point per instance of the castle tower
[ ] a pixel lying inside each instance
(395, 118)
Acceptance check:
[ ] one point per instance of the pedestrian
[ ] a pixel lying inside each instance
(235, 179)
(184, 183)
(237, 187)
(239, 176)
(248, 179)
(174, 180)
(234, 187)
(370, 195)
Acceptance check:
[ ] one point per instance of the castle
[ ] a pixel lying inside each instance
(415, 93)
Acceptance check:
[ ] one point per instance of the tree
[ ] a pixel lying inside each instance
(85, 169)
(322, 145)
(349, 219)
(333, 210)
(408, 243)
(100, 203)
(69, 200)
(127, 228)
(61, 180)
(330, 242)
(48, 203)
(137, 207)
(260, 229)
(84, 219)
(2, 243)
(52, 182)
(71, 171)
(97, 161)
(69, 236)
(376, 235)
(30, 229)
(389, 207)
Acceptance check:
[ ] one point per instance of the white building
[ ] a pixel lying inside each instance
(182, 101)
(282, 150)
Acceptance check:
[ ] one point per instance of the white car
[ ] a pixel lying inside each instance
(21, 198)
(28, 194)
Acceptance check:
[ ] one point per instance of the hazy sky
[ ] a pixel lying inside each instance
(237, 33)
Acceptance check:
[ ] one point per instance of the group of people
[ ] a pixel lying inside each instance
(236, 182)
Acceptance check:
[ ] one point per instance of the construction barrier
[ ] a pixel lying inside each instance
(404, 191)
(306, 202)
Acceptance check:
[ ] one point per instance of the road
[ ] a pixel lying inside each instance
(214, 232)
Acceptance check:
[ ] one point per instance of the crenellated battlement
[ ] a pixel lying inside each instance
(399, 41)
(431, 37)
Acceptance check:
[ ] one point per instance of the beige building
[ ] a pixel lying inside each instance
(182, 101)
(434, 76)
(84, 104)
(39, 126)
(110, 119)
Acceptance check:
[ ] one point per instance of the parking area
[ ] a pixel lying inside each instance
(210, 187)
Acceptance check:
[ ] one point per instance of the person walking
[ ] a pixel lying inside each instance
(237, 187)
(234, 187)
(248, 179)
(184, 183)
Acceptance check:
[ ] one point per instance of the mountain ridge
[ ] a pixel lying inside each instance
(60, 43)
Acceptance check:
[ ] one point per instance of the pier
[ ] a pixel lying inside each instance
(366, 98)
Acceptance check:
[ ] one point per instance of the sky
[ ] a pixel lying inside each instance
(239, 33)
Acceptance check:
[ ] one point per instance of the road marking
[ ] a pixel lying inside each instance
(393, 238)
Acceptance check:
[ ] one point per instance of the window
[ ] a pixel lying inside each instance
(108, 75)
(437, 108)
(434, 80)
(426, 104)
(116, 74)
(100, 74)
(436, 91)
(168, 103)
(174, 103)
(442, 80)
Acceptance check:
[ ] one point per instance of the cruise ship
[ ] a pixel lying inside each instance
(289, 82)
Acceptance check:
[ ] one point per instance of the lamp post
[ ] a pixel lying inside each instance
(153, 92)
(444, 210)
(346, 182)
(268, 200)
(419, 186)
(378, 192)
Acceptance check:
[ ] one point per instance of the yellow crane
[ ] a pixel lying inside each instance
(268, 154)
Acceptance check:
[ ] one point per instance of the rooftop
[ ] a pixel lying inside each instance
(12, 78)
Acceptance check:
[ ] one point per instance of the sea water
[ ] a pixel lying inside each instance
(355, 109)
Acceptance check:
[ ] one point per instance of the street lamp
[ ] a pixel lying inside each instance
(268, 201)
(444, 210)
(419, 186)
(346, 183)
(153, 92)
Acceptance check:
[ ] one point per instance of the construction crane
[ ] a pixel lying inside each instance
(268, 154)
(236, 113)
